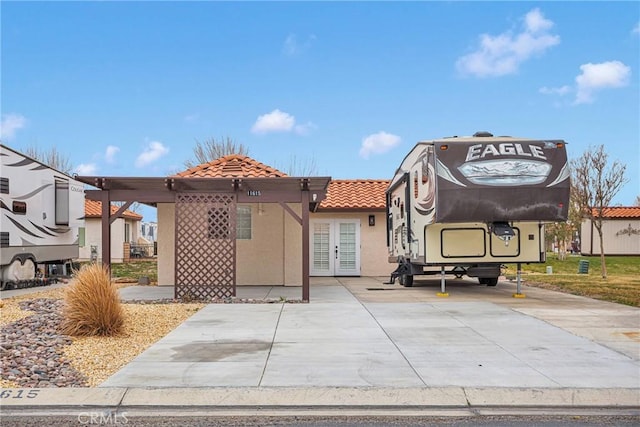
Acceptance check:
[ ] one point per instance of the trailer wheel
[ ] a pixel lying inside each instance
(406, 280)
(491, 281)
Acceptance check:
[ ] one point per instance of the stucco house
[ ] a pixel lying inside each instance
(620, 231)
(124, 229)
(341, 230)
(235, 221)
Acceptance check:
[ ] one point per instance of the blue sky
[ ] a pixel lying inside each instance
(126, 88)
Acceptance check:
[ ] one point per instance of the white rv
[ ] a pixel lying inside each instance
(41, 212)
(472, 204)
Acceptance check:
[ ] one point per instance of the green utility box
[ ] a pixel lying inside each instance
(583, 266)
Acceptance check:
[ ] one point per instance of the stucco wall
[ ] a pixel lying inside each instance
(617, 240)
(259, 260)
(273, 256)
(166, 244)
(373, 241)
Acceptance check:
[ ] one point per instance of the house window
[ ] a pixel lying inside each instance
(127, 233)
(243, 228)
(218, 223)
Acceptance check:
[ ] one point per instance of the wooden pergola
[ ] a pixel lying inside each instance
(309, 192)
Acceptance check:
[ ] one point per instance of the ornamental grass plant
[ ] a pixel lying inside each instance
(92, 304)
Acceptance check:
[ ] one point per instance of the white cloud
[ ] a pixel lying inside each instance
(292, 47)
(305, 129)
(378, 143)
(594, 77)
(562, 90)
(636, 29)
(502, 54)
(11, 123)
(86, 169)
(153, 152)
(110, 153)
(275, 121)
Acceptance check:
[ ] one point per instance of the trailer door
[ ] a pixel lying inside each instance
(335, 247)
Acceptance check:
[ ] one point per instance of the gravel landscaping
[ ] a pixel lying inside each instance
(34, 354)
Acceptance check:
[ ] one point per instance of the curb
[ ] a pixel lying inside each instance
(439, 399)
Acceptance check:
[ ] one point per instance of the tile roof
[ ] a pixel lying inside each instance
(355, 194)
(620, 212)
(231, 166)
(93, 209)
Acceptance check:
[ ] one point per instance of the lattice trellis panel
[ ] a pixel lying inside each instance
(205, 245)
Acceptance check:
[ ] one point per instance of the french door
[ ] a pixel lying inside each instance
(335, 247)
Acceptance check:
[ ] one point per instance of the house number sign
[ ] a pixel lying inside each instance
(254, 193)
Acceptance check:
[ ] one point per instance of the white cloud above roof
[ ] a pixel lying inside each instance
(153, 152)
(10, 124)
(86, 169)
(110, 153)
(503, 54)
(378, 143)
(280, 121)
(594, 77)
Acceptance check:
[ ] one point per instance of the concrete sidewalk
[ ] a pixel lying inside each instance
(361, 344)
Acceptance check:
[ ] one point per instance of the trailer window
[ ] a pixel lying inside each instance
(62, 202)
(19, 208)
(4, 185)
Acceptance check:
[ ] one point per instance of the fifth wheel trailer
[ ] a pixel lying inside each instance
(41, 212)
(472, 204)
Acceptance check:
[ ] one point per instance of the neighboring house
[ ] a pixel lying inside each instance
(149, 231)
(620, 231)
(124, 229)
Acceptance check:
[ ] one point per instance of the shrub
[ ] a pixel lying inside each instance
(92, 304)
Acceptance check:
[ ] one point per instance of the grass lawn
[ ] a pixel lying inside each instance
(133, 270)
(621, 286)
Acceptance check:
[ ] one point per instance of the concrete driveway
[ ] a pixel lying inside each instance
(358, 332)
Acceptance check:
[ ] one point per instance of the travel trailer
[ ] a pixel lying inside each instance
(468, 205)
(41, 213)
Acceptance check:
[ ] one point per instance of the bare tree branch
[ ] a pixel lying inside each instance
(299, 167)
(212, 149)
(52, 158)
(596, 184)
